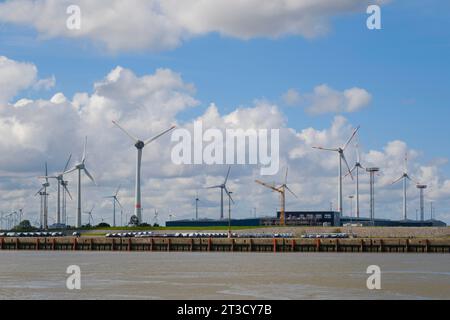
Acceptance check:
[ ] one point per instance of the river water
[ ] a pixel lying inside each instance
(177, 275)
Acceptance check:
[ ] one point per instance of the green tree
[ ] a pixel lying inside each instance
(24, 225)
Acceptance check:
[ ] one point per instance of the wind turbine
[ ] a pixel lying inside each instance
(156, 218)
(357, 167)
(230, 200)
(114, 198)
(421, 188)
(222, 187)
(44, 200)
(64, 184)
(405, 176)
(61, 183)
(81, 166)
(89, 213)
(2, 214)
(282, 191)
(196, 206)
(140, 144)
(340, 151)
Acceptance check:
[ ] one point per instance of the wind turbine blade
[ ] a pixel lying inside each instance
(350, 172)
(325, 149)
(67, 190)
(358, 158)
(159, 135)
(413, 180)
(71, 170)
(84, 151)
(285, 178)
(126, 132)
(351, 138)
(229, 194)
(46, 172)
(117, 192)
(292, 192)
(228, 174)
(47, 177)
(40, 190)
(67, 163)
(399, 179)
(214, 187)
(346, 163)
(89, 176)
(406, 163)
(118, 202)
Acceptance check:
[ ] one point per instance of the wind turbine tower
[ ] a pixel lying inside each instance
(372, 172)
(196, 206)
(81, 166)
(357, 167)
(44, 201)
(222, 187)
(405, 176)
(60, 182)
(340, 151)
(421, 188)
(115, 200)
(140, 144)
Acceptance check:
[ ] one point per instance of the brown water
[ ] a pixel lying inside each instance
(110, 275)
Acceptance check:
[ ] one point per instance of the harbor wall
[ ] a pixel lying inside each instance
(227, 245)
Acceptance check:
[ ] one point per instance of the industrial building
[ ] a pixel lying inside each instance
(312, 218)
(391, 223)
(251, 222)
(305, 218)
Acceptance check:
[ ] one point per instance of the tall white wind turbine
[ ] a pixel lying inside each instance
(140, 144)
(222, 187)
(81, 166)
(340, 151)
(61, 183)
(44, 201)
(115, 200)
(405, 177)
(357, 167)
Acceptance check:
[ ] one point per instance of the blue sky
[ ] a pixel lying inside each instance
(405, 67)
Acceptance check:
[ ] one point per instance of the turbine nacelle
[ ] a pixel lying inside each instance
(139, 144)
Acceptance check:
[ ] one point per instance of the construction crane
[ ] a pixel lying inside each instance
(282, 191)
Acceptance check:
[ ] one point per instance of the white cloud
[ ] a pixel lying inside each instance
(45, 84)
(159, 25)
(291, 97)
(32, 132)
(15, 76)
(328, 100)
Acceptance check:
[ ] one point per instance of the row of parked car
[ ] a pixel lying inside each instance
(327, 236)
(146, 234)
(31, 234)
(265, 235)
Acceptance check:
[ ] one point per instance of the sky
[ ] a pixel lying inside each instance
(309, 68)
